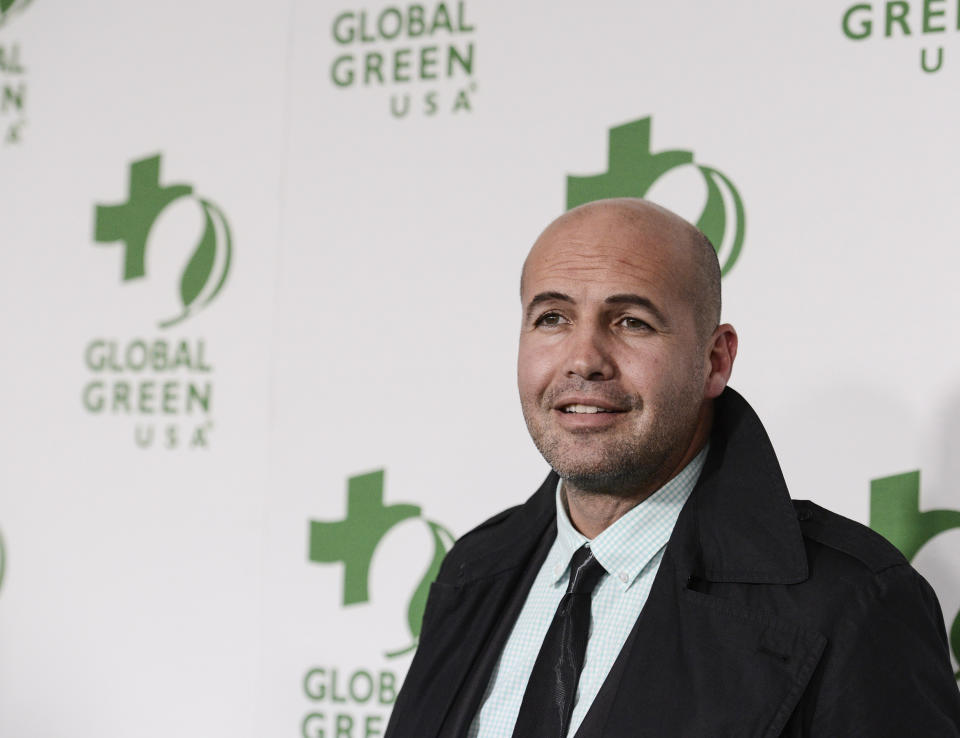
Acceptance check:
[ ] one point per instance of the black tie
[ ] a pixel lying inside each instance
(548, 700)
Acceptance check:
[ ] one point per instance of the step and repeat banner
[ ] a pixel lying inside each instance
(259, 272)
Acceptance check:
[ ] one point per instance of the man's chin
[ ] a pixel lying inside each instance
(618, 482)
(594, 475)
(617, 471)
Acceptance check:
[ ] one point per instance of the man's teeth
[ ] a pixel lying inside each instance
(584, 409)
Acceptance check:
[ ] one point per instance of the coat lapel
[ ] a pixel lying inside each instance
(474, 686)
(703, 665)
(477, 605)
(746, 527)
(703, 659)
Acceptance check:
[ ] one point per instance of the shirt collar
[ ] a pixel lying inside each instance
(628, 546)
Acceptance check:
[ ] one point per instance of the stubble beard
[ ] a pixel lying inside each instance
(619, 461)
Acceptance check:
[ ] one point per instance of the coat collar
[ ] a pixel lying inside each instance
(521, 529)
(738, 525)
(745, 525)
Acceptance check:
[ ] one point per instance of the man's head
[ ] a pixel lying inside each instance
(621, 305)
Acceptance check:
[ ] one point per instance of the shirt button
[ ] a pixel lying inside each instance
(624, 577)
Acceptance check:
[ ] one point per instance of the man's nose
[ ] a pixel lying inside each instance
(589, 356)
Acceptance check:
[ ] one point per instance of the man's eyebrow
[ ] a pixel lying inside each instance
(546, 297)
(644, 302)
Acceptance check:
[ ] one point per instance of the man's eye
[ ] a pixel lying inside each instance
(635, 324)
(550, 319)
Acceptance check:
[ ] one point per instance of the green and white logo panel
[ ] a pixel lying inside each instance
(422, 56)
(132, 223)
(354, 540)
(358, 543)
(702, 194)
(163, 383)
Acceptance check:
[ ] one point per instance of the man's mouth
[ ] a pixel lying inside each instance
(585, 409)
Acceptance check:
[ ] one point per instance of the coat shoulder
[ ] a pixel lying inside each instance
(884, 628)
(477, 540)
(846, 536)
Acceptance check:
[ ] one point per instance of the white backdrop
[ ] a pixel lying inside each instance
(369, 315)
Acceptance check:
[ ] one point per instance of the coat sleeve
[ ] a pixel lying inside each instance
(887, 670)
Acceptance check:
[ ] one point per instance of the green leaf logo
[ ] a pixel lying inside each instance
(130, 223)
(713, 221)
(353, 540)
(442, 542)
(632, 171)
(207, 269)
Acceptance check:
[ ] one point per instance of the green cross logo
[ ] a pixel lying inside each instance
(9, 7)
(130, 223)
(895, 514)
(352, 542)
(633, 169)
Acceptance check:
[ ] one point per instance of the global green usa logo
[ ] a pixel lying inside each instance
(700, 192)
(8, 8)
(895, 514)
(424, 55)
(930, 20)
(353, 541)
(177, 245)
(132, 223)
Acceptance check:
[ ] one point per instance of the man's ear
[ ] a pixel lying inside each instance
(722, 352)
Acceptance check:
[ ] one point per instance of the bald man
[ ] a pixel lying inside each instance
(661, 582)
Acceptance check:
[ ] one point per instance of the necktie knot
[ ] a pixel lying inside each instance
(585, 571)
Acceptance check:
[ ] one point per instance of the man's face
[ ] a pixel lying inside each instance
(611, 369)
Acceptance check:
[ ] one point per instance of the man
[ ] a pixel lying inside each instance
(700, 600)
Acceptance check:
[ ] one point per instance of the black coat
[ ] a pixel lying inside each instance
(767, 617)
